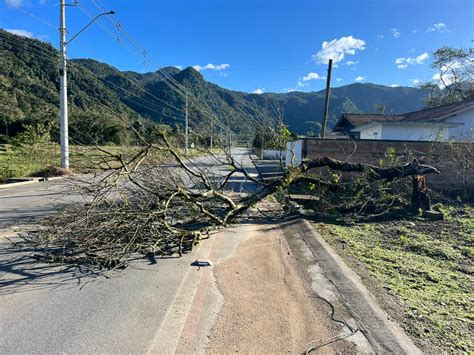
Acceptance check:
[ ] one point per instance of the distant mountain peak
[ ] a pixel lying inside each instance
(171, 70)
(189, 74)
(151, 95)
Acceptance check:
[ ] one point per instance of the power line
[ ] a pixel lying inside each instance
(173, 84)
(165, 75)
(135, 83)
(168, 79)
(52, 56)
(47, 23)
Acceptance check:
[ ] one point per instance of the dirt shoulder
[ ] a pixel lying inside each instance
(266, 308)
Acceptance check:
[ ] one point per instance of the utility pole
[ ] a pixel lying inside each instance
(326, 101)
(63, 111)
(281, 115)
(186, 128)
(222, 139)
(212, 132)
(64, 136)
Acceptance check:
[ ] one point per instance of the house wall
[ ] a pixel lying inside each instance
(465, 132)
(374, 132)
(414, 133)
(454, 160)
(273, 154)
(294, 153)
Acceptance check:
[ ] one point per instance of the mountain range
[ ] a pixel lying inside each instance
(101, 97)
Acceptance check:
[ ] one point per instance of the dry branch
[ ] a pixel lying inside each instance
(148, 206)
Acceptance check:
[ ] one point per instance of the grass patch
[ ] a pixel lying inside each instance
(427, 267)
(17, 161)
(21, 161)
(44, 159)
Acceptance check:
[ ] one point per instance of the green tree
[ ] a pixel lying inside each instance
(454, 80)
(379, 108)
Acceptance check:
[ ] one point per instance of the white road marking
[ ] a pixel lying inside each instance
(168, 335)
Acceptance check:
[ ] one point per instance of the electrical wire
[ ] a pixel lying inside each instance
(174, 85)
(53, 56)
(168, 79)
(164, 75)
(45, 22)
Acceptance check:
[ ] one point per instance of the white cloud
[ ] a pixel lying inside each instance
(394, 85)
(14, 3)
(414, 31)
(395, 32)
(258, 91)
(338, 48)
(415, 81)
(19, 32)
(380, 36)
(211, 66)
(338, 80)
(447, 77)
(180, 67)
(403, 62)
(300, 84)
(421, 58)
(350, 62)
(438, 27)
(360, 78)
(313, 76)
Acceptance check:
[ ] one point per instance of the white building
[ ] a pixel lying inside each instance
(449, 122)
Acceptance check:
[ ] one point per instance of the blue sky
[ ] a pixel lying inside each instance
(260, 45)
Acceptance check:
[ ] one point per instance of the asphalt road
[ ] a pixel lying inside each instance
(22, 204)
(49, 310)
(45, 309)
(167, 306)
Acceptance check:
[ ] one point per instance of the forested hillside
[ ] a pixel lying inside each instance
(29, 84)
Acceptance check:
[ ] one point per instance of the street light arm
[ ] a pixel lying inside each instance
(90, 23)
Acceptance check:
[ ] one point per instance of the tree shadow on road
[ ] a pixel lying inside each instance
(20, 271)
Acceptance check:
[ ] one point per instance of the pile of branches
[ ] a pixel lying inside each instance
(142, 205)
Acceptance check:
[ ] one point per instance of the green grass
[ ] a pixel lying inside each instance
(428, 268)
(16, 162)
(32, 161)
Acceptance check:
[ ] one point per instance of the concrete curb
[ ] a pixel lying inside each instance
(29, 181)
(332, 277)
(15, 184)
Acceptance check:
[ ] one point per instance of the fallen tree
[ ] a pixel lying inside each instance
(144, 205)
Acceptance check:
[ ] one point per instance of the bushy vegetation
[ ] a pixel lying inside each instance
(34, 153)
(270, 138)
(27, 153)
